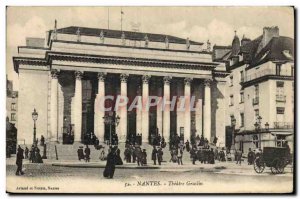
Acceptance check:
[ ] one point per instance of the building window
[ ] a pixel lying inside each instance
(231, 81)
(280, 84)
(13, 106)
(242, 76)
(278, 69)
(256, 90)
(280, 110)
(242, 97)
(13, 117)
(231, 100)
(292, 71)
(242, 119)
(256, 113)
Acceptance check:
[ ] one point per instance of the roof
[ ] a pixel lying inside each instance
(251, 47)
(278, 49)
(128, 34)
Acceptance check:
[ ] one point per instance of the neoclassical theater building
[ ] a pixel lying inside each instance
(65, 75)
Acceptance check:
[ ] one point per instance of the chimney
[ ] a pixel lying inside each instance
(269, 33)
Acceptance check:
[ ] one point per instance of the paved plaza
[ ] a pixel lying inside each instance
(54, 176)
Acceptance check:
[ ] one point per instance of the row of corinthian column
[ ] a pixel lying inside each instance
(142, 116)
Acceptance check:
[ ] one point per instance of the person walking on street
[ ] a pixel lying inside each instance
(160, 155)
(238, 157)
(154, 153)
(80, 153)
(193, 153)
(187, 146)
(19, 161)
(110, 164)
(87, 152)
(251, 157)
(179, 156)
(144, 157)
(26, 152)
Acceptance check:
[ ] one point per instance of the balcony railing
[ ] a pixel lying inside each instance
(283, 125)
(255, 101)
(280, 98)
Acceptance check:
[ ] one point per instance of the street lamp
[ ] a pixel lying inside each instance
(34, 117)
(110, 119)
(233, 123)
(257, 126)
(267, 126)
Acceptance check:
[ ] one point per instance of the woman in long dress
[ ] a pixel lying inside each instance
(110, 164)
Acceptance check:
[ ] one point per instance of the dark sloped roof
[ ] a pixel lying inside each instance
(128, 34)
(278, 49)
(251, 47)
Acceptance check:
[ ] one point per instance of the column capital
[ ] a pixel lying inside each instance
(167, 79)
(54, 74)
(78, 75)
(187, 81)
(124, 77)
(145, 79)
(101, 76)
(207, 82)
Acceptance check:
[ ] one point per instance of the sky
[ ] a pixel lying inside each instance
(216, 24)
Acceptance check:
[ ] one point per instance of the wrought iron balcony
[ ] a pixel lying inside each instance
(255, 101)
(283, 125)
(280, 98)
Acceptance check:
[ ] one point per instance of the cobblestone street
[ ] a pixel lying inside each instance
(221, 177)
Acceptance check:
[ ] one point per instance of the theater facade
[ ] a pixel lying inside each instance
(66, 75)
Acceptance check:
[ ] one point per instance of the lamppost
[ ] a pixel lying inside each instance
(257, 126)
(267, 126)
(34, 117)
(110, 119)
(233, 123)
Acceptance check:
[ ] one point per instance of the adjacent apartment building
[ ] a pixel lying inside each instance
(260, 92)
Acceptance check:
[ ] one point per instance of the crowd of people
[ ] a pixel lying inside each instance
(199, 149)
(33, 155)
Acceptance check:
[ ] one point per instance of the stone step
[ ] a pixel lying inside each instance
(69, 152)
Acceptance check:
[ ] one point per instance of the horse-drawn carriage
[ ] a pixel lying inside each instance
(275, 157)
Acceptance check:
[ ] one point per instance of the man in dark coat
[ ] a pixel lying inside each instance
(160, 155)
(154, 152)
(80, 153)
(110, 164)
(251, 157)
(32, 154)
(19, 161)
(211, 156)
(138, 154)
(193, 153)
(144, 157)
(26, 152)
(187, 146)
(87, 152)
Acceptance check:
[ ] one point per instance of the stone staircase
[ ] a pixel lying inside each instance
(69, 152)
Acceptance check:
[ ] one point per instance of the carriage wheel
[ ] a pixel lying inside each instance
(280, 166)
(259, 165)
